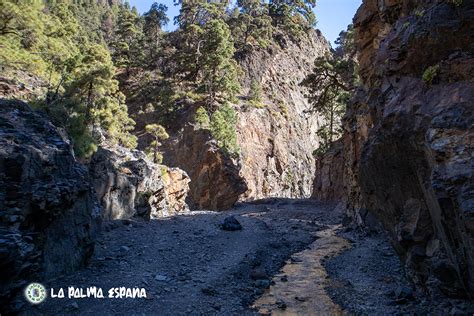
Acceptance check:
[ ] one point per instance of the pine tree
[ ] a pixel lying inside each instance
(223, 129)
(92, 98)
(155, 19)
(159, 134)
(219, 71)
(255, 92)
(293, 15)
(252, 24)
(126, 50)
(330, 85)
(201, 118)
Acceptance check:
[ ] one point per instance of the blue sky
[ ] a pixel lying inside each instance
(333, 15)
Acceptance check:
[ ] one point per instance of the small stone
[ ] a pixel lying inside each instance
(262, 284)
(231, 224)
(162, 278)
(295, 260)
(258, 273)
(456, 312)
(209, 291)
(281, 304)
(259, 291)
(404, 292)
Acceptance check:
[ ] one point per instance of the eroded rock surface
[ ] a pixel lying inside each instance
(277, 139)
(48, 209)
(276, 135)
(215, 180)
(328, 182)
(128, 184)
(409, 136)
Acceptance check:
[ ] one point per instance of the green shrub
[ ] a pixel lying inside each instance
(430, 74)
(255, 92)
(201, 118)
(223, 129)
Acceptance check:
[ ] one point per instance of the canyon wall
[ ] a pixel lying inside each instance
(277, 139)
(51, 206)
(276, 135)
(328, 183)
(215, 180)
(49, 212)
(409, 135)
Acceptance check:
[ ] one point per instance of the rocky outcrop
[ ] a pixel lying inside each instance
(18, 84)
(328, 182)
(278, 136)
(409, 136)
(176, 183)
(215, 180)
(48, 210)
(128, 184)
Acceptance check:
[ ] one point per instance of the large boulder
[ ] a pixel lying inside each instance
(128, 184)
(409, 136)
(48, 210)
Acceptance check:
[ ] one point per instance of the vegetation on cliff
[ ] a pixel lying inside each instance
(85, 50)
(331, 85)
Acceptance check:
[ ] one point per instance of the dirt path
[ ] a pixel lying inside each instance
(284, 261)
(189, 265)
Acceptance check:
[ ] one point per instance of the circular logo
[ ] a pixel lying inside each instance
(35, 293)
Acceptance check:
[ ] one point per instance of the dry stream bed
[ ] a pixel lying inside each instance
(290, 258)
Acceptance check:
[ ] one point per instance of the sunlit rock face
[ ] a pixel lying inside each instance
(276, 137)
(215, 180)
(49, 212)
(277, 140)
(127, 184)
(408, 143)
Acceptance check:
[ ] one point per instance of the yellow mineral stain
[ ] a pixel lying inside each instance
(304, 292)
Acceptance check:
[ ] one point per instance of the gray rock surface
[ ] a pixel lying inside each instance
(328, 184)
(49, 212)
(128, 184)
(277, 140)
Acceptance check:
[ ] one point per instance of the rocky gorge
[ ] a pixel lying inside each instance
(270, 163)
(408, 136)
(380, 223)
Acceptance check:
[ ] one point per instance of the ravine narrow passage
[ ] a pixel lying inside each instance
(189, 265)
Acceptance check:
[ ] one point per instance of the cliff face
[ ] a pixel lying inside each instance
(328, 183)
(129, 185)
(215, 180)
(409, 135)
(276, 137)
(277, 140)
(48, 210)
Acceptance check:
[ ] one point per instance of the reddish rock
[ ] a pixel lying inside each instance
(408, 142)
(328, 182)
(215, 180)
